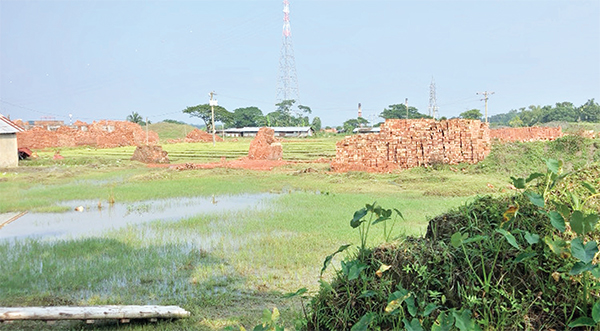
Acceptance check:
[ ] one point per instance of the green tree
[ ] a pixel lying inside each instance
(589, 111)
(204, 112)
(249, 116)
(472, 114)
(134, 117)
(399, 111)
(316, 124)
(354, 123)
(515, 122)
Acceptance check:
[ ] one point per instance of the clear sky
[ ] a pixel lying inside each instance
(106, 59)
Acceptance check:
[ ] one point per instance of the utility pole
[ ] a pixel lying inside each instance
(213, 103)
(485, 97)
(406, 106)
(146, 131)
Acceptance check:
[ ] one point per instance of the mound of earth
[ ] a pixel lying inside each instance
(150, 154)
(264, 146)
(490, 263)
(198, 136)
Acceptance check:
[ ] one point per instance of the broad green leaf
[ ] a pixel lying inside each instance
(596, 312)
(355, 269)
(581, 267)
(266, 316)
(368, 294)
(295, 294)
(524, 256)
(582, 321)
(563, 209)
(261, 327)
(557, 221)
(325, 285)
(443, 322)
(583, 224)
(413, 325)
(535, 198)
(518, 182)
(577, 222)
(584, 253)
(330, 257)
(396, 299)
(531, 238)
(589, 187)
(399, 213)
(589, 222)
(464, 322)
(457, 239)
(411, 306)
(534, 176)
(356, 219)
(553, 165)
(596, 272)
(380, 219)
(509, 237)
(364, 322)
(429, 309)
(557, 245)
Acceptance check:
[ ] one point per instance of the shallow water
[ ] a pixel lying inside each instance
(93, 221)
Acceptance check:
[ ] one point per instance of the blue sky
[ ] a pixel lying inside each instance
(105, 59)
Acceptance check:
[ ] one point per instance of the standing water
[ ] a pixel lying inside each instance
(86, 218)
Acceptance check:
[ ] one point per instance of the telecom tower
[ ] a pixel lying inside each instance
(287, 82)
(432, 99)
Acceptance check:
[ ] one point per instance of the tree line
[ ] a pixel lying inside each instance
(561, 111)
(285, 115)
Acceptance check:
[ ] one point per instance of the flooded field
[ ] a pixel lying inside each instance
(87, 218)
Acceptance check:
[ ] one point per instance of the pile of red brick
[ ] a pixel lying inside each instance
(404, 144)
(198, 136)
(150, 154)
(525, 134)
(101, 134)
(264, 146)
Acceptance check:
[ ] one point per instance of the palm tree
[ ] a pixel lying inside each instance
(135, 118)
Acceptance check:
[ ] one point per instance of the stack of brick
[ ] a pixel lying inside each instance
(196, 136)
(404, 144)
(264, 146)
(102, 134)
(526, 134)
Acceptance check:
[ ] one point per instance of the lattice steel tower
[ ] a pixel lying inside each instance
(287, 82)
(432, 99)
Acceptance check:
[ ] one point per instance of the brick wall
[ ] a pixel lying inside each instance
(525, 134)
(404, 144)
(122, 133)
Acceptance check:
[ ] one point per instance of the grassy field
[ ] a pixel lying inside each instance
(223, 267)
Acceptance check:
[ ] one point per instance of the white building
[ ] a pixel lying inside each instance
(9, 156)
(280, 131)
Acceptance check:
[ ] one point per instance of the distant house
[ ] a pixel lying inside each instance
(280, 131)
(366, 130)
(9, 157)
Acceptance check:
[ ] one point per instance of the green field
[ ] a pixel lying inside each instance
(225, 268)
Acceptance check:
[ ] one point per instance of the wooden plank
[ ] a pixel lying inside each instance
(91, 313)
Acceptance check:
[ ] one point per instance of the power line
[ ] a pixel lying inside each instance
(485, 97)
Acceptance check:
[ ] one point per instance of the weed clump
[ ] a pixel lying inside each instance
(521, 262)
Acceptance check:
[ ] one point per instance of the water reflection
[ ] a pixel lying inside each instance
(94, 220)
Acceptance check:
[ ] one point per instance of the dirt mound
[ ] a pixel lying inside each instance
(198, 136)
(264, 146)
(101, 134)
(150, 154)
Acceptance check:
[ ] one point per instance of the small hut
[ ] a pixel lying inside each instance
(9, 156)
